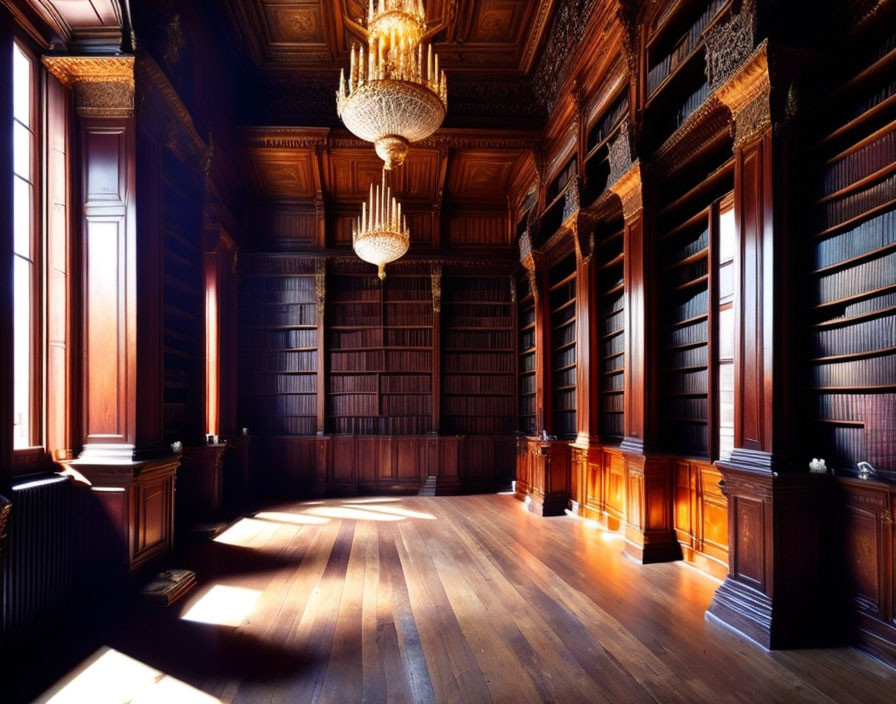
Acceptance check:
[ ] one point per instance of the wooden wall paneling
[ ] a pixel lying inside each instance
(614, 489)
(649, 524)
(200, 486)
(545, 490)
(343, 477)
(449, 478)
(701, 516)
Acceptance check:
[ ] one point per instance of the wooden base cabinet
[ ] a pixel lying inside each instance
(599, 486)
(128, 515)
(701, 516)
(544, 482)
(200, 489)
(868, 548)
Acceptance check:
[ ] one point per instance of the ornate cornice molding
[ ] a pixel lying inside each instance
(539, 22)
(620, 152)
(178, 121)
(309, 138)
(729, 44)
(747, 94)
(630, 190)
(320, 285)
(103, 85)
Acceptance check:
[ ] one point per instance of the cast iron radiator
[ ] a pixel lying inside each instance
(36, 562)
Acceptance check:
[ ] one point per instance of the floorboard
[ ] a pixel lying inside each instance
(441, 599)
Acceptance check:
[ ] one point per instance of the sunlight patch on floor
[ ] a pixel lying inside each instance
(111, 677)
(223, 606)
(297, 518)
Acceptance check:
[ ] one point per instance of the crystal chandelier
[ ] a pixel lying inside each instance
(381, 234)
(395, 93)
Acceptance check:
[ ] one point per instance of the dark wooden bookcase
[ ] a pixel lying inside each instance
(278, 353)
(562, 302)
(478, 366)
(851, 265)
(611, 332)
(688, 269)
(182, 317)
(526, 363)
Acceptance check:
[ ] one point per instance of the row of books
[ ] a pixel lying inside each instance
(527, 384)
(857, 203)
(563, 294)
(876, 97)
(687, 382)
(354, 288)
(493, 290)
(180, 269)
(565, 400)
(693, 245)
(280, 297)
(685, 437)
(612, 425)
(870, 305)
(874, 371)
(864, 336)
(353, 339)
(565, 378)
(567, 316)
(179, 323)
(283, 425)
(855, 280)
(612, 403)
(477, 425)
(406, 383)
(527, 406)
(278, 383)
(879, 231)
(613, 364)
(477, 321)
(686, 108)
(689, 357)
(695, 408)
(687, 334)
(354, 314)
(694, 305)
(285, 314)
(527, 339)
(612, 323)
(527, 424)
(683, 47)
(839, 406)
(280, 361)
(352, 383)
(612, 345)
(406, 405)
(474, 362)
(613, 382)
(684, 274)
(480, 405)
(487, 339)
(563, 336)
(409, 360)
(863, 162)
(282, 404)
(481, 384)
(355, 405)
(608, 121)
(565, 424)
(280, 339)
(261, 286)
(369, 360)
(527, 316)
(527, 362)
(613, 304)
(408, 316)
(408, 425)
(563, 358)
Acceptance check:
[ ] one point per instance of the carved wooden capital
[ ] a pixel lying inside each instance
(435, 276)
(530, 264)
(747, 95)
(320, 284)
(620, 153)
(729, 44)
(103, 85)
(630, 190)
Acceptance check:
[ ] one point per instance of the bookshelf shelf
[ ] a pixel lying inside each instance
(850, 268)
(562, 287)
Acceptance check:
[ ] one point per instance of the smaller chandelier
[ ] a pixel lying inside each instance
(381, 234)
(395, 93)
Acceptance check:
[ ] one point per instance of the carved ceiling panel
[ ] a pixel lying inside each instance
(283, 174)
(479, 176)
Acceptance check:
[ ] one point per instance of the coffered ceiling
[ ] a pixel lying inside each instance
(292, 51)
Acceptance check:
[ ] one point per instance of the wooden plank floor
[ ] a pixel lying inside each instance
(452, 599)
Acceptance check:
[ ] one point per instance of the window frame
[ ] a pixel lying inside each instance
(35, 441)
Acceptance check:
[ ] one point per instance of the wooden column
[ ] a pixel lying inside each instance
(320, 288)
(220, 318)
(649, 526)
(104, 100)
(773, 591)
(132, 481)
(436, 283)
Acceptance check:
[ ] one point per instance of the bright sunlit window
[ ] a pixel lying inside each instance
(727, 250)
(24, 229)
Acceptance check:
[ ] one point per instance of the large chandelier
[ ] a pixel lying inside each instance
(395, 93)
(381, 234)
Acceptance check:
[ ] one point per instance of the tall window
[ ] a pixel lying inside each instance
(25, 227)
(727, 247)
